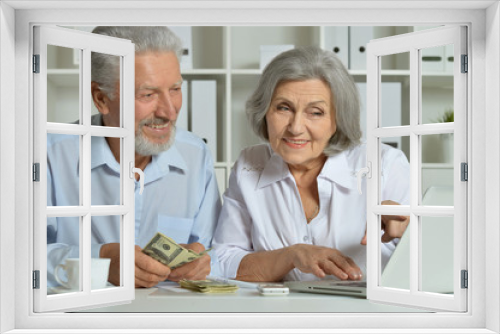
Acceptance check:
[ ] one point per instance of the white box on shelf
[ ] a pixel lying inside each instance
(391, 109)
(358, 38)
(182, 118)
(186, 36)
(220, 174)
(204, 112)
(449, 58)
(337, 40)
(268, 52)
(433, 59)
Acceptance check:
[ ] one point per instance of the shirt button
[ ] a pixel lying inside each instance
(306, 238)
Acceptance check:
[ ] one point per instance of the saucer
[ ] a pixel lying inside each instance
(61, 289)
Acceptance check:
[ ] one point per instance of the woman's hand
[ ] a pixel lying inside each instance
(393, 226)
(322, 261)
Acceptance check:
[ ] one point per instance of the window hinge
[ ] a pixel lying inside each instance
(36, 63)
(465, 64)
(36, 279)
(464, 171)
(36, 172)
(465, 279)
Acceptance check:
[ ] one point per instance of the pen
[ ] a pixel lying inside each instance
(241, 284)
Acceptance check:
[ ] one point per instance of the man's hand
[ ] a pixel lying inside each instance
(148, 271)
(322, 261)
(196, 270)
(393, 226)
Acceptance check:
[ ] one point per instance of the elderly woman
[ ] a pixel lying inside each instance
(292, 210)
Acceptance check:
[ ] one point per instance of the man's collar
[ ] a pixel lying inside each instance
(169, 159)
(160, 165)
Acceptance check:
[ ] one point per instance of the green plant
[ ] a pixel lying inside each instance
(448, 116)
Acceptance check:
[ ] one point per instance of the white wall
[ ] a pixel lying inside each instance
(7, 171)
(492, 163)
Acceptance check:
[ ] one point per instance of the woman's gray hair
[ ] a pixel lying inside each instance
(307, 63)
(105, 67)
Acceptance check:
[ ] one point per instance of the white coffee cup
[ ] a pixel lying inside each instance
(99, 273)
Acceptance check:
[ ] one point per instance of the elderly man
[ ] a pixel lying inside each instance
(180, 198)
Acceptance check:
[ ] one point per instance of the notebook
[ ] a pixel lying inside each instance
(437, 257)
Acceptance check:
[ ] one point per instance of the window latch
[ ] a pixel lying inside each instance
(139, 171)
(365, 171)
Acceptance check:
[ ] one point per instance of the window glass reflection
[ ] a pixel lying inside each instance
(63, 85)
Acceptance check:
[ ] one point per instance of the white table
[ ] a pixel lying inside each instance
(169, 297)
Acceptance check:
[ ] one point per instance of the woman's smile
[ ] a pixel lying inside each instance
(301, 121)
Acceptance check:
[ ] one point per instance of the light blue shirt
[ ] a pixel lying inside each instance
(180, 199)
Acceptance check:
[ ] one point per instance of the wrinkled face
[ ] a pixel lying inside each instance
(301, 121)
(158, 99)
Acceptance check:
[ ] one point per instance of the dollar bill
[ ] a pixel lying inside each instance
(208, 286)
(169, 252)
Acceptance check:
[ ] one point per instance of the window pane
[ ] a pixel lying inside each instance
(104, 229)
(396, 262)
(394, 170)
(395, 91)
(105, 85)
(437, 148)
(437, 85)
(63, 85)
(437, 254)
(437, 169)
(63, 170)
(391, 100)
(106, 170)
(63, 274)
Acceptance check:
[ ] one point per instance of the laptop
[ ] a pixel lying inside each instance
(437, 258)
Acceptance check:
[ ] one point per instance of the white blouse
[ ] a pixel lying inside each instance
(262, 209)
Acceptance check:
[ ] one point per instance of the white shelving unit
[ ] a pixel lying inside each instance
(230, 56)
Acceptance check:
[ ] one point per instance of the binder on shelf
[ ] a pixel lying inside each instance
(433, 59)
(358, 38)
(448, 58)
(182, 118)
(185, 34)
(204, 112)
(391, 109)
(268, 52)
(220, 174)
(337, 40)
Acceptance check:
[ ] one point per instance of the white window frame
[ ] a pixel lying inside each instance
(86, 42)
(484, 210)
(413, 44)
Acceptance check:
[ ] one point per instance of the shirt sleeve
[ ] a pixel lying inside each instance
(232, 240)
(205, 220)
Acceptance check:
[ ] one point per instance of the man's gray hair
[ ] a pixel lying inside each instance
(307, 63)
(105, 68)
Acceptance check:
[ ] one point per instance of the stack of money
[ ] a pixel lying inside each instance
(170, 253)
(208, 286)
